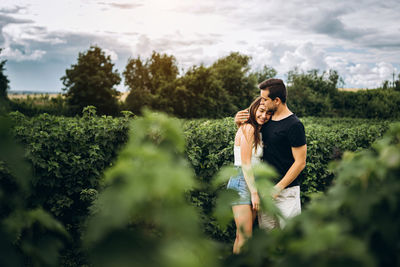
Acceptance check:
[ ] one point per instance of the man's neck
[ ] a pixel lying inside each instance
(281, 113)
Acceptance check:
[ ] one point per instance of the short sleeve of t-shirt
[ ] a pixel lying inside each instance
(297, 135)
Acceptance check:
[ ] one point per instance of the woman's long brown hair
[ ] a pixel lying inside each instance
(253, 122)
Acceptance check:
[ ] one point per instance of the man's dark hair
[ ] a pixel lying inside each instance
(276, 88)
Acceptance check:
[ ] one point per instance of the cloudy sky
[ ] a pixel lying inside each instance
(360, 39)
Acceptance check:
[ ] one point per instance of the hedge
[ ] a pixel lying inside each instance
(210, 145)
(69, 156)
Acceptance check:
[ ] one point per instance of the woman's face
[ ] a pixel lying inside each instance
(262, 114)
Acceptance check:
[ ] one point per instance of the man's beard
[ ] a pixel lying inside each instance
(272, 109)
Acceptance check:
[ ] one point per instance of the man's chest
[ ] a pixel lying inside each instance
(275, 134)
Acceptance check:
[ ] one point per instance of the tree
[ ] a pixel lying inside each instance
(266, 73)
(234, 73)
(311, 93)
(325, 83)
(91, 82)
(385, 85)
(3, 79)
(146, 81)
(397, 84)
(205, 95)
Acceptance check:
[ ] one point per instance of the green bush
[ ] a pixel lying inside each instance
(69, 156)
(355, 224)
(142, 218)
(210, 146)
(29, 236)
(328, 142)
(374, 103)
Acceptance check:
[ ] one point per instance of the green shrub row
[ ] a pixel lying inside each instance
(34, 106)
(29, 235)
(69, 156)
(377, 103)
(356, 223)
(210, 145)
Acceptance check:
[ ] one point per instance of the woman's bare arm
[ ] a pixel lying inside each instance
(246, 148)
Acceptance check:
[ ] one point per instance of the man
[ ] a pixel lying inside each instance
(285, 149)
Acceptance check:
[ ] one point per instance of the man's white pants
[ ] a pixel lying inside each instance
(288, 202)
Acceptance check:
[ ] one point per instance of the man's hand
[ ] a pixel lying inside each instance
(276, 191)
(255, 200)
(241, 117)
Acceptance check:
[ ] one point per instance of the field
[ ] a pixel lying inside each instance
(21, 96)
(112, 190)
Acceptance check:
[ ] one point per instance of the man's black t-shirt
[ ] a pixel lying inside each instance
(279, 137)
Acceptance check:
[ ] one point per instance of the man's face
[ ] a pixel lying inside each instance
(268, 102)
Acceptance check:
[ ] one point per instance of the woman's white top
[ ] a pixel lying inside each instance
(255, 155)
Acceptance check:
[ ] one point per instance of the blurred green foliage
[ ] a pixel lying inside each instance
(142, 218)
(356, 223)
(29, 236)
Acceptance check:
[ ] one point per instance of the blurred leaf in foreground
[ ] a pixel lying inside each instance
(28, 235)
(141, 218)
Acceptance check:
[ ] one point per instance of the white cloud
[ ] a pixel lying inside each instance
(122, 5)
(370, 77)
(336, 63)
(143, 46)
(315, 34)
(305, 57)
(25, 34)
(18, 55)
(113, 55)
(383, 69)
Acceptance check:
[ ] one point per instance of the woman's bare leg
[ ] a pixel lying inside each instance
(243, 215)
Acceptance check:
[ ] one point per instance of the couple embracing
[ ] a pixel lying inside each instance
(270, 132)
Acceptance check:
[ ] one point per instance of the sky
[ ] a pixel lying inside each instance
(359, 39)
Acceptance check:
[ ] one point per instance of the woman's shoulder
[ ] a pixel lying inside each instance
(247, 129)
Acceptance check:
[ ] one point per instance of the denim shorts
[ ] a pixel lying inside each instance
(238, 183)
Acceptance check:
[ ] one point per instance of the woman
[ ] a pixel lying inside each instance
(247, 151)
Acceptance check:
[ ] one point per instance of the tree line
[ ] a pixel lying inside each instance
(214, 91)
